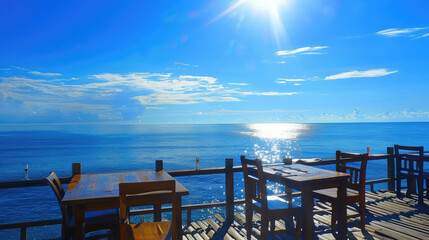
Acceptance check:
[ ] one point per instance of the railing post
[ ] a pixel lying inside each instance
(229, 189)
(23, 233)
(390, 170)
(76, 169)
(157, 207)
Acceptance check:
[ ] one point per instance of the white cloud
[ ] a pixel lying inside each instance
(402, 114)
(185, 64)
(238, 84)
(210, 80)
(269, 93)
(303, 50)
(421, 36)
(5, 69)
(103, 95)
(359, 74)
(45, 74)
(396, 32)
(286, 80)
(4, 95)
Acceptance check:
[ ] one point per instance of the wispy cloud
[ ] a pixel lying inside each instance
(185, 64)
(421, 36)
(286, 80)
(303, 50)
(404, 32)
(45, 74)
(269, 93)
(359, 74)
(5, 69)
(110, 96)
(238, 84)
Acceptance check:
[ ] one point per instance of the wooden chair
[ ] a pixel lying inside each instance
(94, 220)
(147, 193)
(409, 165)
(355, 185)
(270, 207)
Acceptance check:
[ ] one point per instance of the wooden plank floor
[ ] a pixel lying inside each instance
(387, 217)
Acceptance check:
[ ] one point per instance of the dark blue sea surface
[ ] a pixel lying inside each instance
(108, 148)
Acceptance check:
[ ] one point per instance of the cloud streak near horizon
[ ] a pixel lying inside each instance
(45, 74)
(303, 50)
(104, 94)
(360, 74)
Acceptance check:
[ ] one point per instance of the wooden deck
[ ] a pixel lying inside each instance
(387, 218)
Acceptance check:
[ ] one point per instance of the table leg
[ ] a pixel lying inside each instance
(307, 205)
(79, 218)
(157, 213)
(179, 218)
(342, 211)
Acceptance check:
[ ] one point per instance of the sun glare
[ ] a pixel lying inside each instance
(279, 131)
(270, 5)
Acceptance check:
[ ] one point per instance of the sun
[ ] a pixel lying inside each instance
(270, 5)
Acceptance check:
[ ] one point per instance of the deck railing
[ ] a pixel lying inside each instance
(229, 202)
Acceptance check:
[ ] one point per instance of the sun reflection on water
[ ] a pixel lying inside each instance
(274, 141)
(279, 131)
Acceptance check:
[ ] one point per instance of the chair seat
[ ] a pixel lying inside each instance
(98, 217)
(275, 202)
(149, 231)
(332, 193)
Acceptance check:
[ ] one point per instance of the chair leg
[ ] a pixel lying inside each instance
(298, 227)
(427, 188)
(272, 226)
(420, 189)
(264, 226)
(334, 216)
(249, 217)
(410, 184)
(362, 207)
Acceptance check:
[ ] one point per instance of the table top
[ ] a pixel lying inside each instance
(299, 174)
(104, 187)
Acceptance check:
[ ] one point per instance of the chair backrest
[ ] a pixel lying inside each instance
(409, 159)
(254, 181)
(54, 182)
(146, 193)
(357, 177)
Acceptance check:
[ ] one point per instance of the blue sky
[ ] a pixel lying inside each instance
(213, 61)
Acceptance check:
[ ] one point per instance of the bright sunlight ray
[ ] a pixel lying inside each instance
(270, 6)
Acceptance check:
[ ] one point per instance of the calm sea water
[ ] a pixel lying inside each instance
(107, 148)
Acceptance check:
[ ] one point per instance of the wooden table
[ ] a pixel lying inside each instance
(314, 179)
(89, 192)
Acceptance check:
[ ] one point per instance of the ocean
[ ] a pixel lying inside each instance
(108, 148)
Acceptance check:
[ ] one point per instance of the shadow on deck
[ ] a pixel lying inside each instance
(387, 217)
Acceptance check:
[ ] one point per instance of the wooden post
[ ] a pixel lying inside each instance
(157, 207)
(390, 170)
(76, 169)
(159, 165)
(23, 233)
(229, 189)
